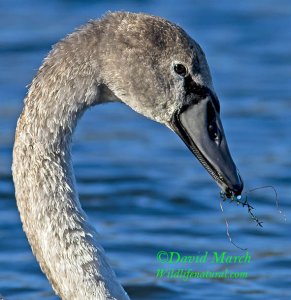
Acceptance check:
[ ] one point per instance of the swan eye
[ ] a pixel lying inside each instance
(180, 70)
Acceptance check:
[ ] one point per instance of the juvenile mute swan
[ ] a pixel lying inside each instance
(149, 64)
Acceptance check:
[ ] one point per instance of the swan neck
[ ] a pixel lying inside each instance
(64, 243)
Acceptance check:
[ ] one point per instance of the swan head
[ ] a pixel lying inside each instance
(162, 73)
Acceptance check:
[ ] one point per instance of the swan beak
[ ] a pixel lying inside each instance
(200, 127)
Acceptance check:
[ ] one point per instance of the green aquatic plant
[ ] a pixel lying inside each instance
(245, 203)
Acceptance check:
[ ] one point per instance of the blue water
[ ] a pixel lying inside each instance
(142, 189)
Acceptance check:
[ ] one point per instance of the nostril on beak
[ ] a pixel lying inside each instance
(213, 130)
(214, 133)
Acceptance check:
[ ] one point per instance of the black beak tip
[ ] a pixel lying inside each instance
(235, 189)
